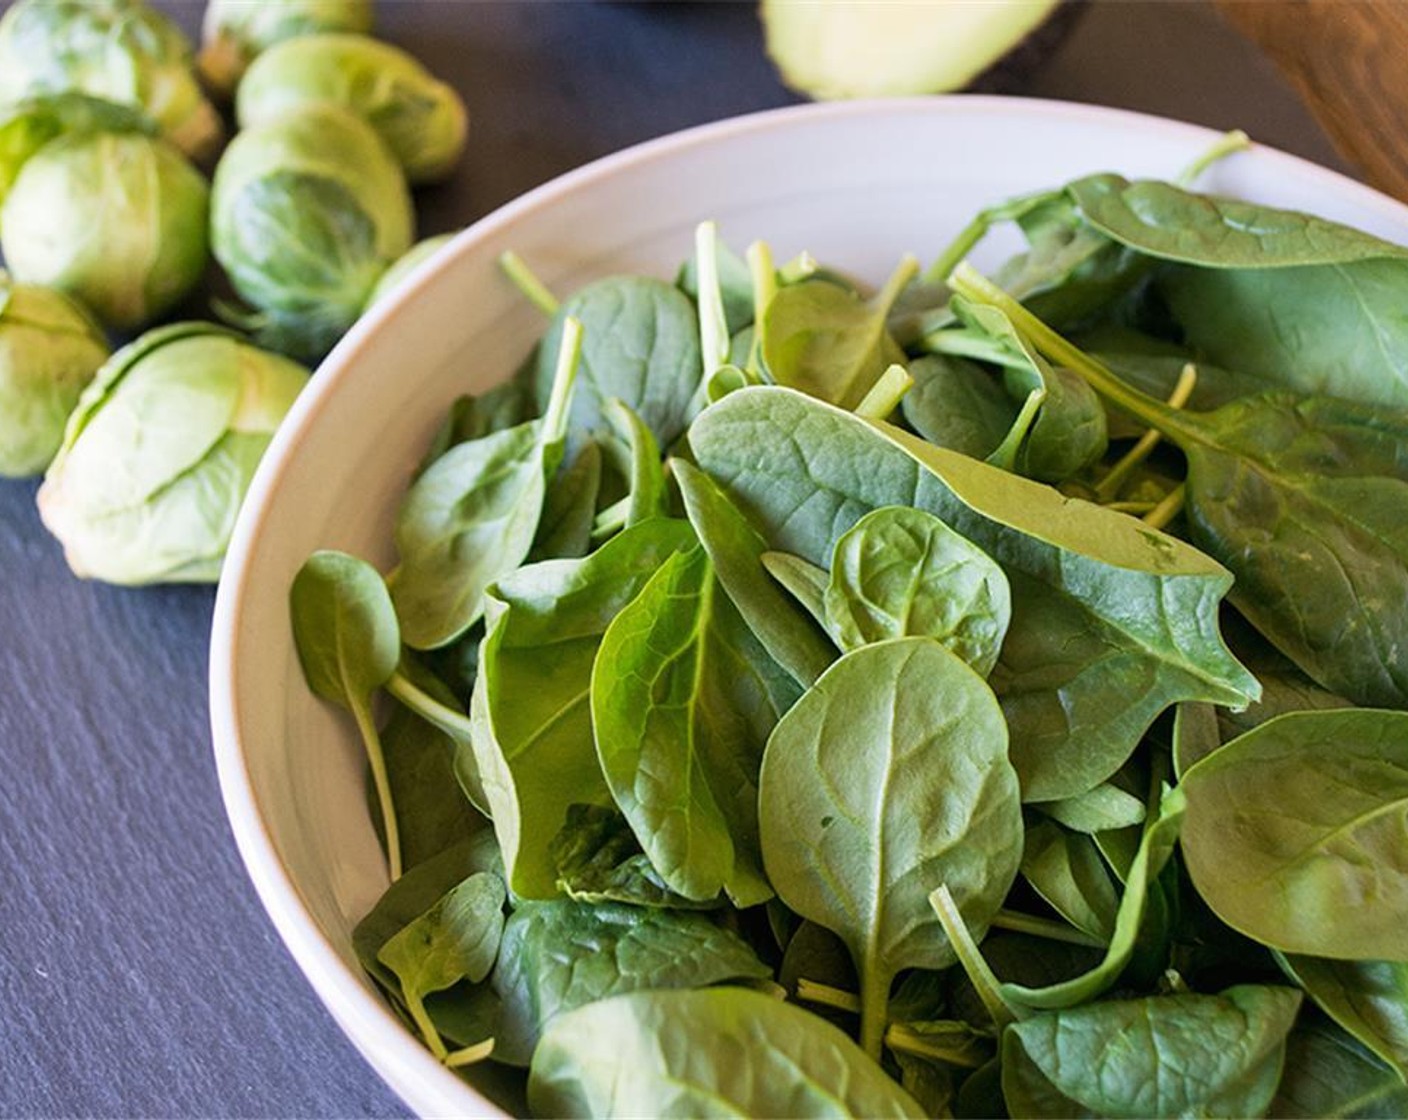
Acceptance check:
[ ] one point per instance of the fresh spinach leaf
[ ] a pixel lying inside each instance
(456, 939)
(901, 572)
(1178, 1055)
(1098, 810)
(736, 550)
(632, 449)
(640, 345)
(530, 713)
(1297, 833)
(825, 341)
(432, 810)
(472, 515)
(855, 837)
(956, 403)
(560, 955)
(344, 627)
(683, 699)
(1290, 492)
(683, 1054)
(735, 286)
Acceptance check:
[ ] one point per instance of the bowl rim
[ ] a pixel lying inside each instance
(365, 1019)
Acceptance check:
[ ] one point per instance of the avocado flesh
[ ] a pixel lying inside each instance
(832, 49)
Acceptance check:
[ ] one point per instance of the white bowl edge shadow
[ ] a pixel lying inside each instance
(1102, 139)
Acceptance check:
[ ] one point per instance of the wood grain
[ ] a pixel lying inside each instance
(1345, 58)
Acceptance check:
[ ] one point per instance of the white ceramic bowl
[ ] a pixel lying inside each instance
(857, 183)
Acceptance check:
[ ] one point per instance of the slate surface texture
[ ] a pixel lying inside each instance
(138, 974)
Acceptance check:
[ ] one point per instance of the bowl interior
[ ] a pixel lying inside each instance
(858, 184)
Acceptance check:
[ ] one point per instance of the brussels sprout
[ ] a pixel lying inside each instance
(115, 219)
(27, 125)
(118, 50)
(236, 31)
(420, 252)
(423, 121)
(307, 213)
(49, 349)
(160, 451)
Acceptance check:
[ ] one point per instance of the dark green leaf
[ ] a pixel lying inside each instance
(560, 955)
(664, 1054)
(1329, 1075)
(1369, 999)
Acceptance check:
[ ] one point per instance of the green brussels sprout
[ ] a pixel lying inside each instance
(422, 120)
(116, 219)
(50, 348)
(393, 277)
(157, 457)
(237, 31)
(118, 50)
(27, 125)
(307, 213)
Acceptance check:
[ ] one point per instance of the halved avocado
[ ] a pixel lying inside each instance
(832, 49)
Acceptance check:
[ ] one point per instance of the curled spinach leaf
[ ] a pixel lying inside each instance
(1369, 999)
(901, 572)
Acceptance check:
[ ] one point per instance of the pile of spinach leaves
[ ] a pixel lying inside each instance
(984, 697)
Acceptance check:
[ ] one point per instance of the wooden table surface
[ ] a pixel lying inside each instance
(1345, 59)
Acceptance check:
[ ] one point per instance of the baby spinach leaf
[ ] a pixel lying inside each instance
(825, 341)
(561, 955)
(670, 1054)
(736, 550)
(456, 939)
(683, 699)
(1290, 492)
(1067, 432)
(901, 572)
(472, 516)
(1297, 833)
(530, 713)
(1335, 329)
(1099, 809)
(1065, 868)
(473, 417)
(1178, 1055)
(415, 893)
(599, 859)
(1195, 734)
(888, 776)
(432, 811)
(344, 627)
(640, 345)
(569, 509)
(957, 404)
(1329, 1074)
(1144, 604)
(1369, 999)
(1163, 220)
